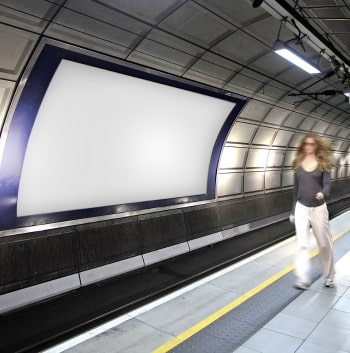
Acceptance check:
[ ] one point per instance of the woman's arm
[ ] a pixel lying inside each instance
(326, 182)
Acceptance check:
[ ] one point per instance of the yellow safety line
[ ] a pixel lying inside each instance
(224, 310)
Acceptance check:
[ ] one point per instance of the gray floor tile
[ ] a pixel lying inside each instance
(245, 278)
(187, 310)
(334, 338)
(130, 337)
(338, 290)
(338, 319)
(320, 299)
(310, 312)
(267, 341)
(280, 257)
(343, 304)
(291, 325)
(342, 280)
(347, 294)
(245, 350)
(311, 347)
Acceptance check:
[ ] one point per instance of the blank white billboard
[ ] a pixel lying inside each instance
(103, 138)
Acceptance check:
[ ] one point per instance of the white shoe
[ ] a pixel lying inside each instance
(328, 283)
(301, 285)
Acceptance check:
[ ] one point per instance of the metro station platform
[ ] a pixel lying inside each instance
(249, 307)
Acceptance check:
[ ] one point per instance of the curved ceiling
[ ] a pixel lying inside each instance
(224, 44)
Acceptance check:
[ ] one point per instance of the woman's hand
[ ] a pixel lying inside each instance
(319, 196)
(291, 218)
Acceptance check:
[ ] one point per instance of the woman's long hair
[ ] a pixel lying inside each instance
(322, 152)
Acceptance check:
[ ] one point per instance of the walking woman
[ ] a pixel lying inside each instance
(312, 183)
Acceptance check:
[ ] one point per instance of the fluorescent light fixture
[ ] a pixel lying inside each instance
(291, 55)
(347, 94)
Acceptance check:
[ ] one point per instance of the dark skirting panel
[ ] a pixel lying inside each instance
(38, 257)
(162, 229)
(279, 202)
(255, 208)
(201, 221)
(232, 213)
(340, 188)
(101, 243)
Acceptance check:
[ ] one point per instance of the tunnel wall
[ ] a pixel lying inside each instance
(80, 255)
(253, 194)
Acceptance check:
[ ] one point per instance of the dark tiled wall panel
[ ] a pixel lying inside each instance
(161, 230)
(33, 258)
(255, 209)
(340, 205)
(279, 203)
(105, 242)
(201, 221)
(37, 259)
(232, 213)
(340, 187)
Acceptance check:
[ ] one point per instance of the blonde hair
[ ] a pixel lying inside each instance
(322, 152)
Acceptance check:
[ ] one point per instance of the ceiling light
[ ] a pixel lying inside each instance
(347, 94)
(291, 55)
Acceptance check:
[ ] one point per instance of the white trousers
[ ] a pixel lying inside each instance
(317, 218)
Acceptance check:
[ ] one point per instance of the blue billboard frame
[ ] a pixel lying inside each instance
(23, 120)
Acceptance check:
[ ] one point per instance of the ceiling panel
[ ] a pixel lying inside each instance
(240, 15)
(246, 82)
(197, 25)
(149, 60)
(258, 29)
(307, 124)
(32, 15)
(102, 20)
(293, 76)
(174, 42)
(320, 127)
(271, 63)
(211, 69)
(221, 61)
(159, 51)
(332, 130)
(276, 116)
(256, 110)
(204, 78)
(149, 11)
(241, 47)
(343, 133)
(272, 90)
(16, 46)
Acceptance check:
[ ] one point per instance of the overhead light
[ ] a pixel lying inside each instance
(294, 57)
(347, 94)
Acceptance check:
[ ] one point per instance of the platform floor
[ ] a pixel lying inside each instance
(199, 318)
